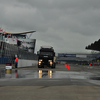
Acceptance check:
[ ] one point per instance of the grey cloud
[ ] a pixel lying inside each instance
(63, 4)
(61, 23)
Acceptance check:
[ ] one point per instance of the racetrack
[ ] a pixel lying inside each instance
(79, 82)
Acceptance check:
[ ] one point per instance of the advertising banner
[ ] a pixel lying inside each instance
(66, 55)
(70, 55)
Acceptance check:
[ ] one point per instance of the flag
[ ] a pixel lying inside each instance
(2, 33)
(23, 43)
(15, 40)
(8, 36)
(1, 30)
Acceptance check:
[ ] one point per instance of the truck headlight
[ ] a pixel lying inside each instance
(40, 61)
(50, 61)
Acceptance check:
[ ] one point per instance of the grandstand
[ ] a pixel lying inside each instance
(12, 44)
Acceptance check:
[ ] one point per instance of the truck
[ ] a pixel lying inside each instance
(46, 57)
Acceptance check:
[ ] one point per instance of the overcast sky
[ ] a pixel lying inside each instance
(67, 25)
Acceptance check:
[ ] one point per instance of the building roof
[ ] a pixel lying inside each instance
(94, 46)
(20, 32)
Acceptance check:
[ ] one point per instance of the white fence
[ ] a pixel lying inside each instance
(27, 63)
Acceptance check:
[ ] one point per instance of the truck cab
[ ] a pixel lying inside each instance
(46, 57)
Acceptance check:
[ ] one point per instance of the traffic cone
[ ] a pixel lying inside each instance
(89, 64)
(68, 67)
(65, 65)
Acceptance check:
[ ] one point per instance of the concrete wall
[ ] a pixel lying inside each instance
(27, 63)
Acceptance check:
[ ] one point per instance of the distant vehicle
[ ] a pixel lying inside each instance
(46, 57)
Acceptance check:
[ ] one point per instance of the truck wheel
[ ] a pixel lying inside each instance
(39, 66)
(42, 67)
(53, 66)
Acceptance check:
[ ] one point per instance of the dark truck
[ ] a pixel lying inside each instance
(46, 57)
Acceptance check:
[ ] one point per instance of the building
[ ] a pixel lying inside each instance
(77, 57)
(12, 44)
(19, 39)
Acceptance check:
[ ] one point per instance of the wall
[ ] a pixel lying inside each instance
(27, 63)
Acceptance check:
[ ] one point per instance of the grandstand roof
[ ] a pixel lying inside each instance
(94, 46)
(20, 32)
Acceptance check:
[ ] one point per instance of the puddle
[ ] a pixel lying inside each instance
(43, 74)
(95, 78)
(14, 74)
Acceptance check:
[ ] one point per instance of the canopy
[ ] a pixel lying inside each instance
(94, 46)
(21, 32)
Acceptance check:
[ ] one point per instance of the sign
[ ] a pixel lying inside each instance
(66, 55)
(60, 55)
(81, 56)
(8, 68)
(70, 55)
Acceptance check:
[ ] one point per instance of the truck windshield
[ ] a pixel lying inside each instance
(46, 53)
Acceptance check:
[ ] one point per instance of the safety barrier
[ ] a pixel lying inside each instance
(27, 63)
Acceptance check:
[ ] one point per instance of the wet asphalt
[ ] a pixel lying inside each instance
(33, 76)
(79, 82)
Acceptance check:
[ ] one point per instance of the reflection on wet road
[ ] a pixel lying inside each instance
(47, 74)
(25, 74)
(44, 74)
(48, 77)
